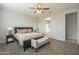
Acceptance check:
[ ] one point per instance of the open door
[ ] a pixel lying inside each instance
(71, 23)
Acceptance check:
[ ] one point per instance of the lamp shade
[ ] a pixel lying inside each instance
(35, 28)
(9, 28)
(48, 19)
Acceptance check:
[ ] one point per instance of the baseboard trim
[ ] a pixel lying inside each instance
(59, 39)
(71, 38)
(2, 42)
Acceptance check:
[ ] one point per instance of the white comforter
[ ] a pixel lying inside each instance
(25, 36)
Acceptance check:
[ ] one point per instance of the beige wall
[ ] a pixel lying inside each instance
(57, 23)
(14, 19)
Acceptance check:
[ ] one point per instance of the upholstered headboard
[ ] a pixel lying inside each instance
(15, 28)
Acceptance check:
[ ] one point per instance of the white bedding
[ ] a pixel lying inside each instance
(25, 36)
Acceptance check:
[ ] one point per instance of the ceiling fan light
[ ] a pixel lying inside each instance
(38, 11)
(40, 8)
(40, 5)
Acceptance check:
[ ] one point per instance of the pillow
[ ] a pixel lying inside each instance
(24, 30)
(21, 31)
(29, 30)
(18, 30)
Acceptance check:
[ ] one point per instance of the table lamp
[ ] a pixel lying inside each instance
(10, 30)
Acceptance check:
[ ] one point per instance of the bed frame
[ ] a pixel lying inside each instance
(26, 43)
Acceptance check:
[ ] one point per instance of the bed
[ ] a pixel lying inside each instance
(24, 37)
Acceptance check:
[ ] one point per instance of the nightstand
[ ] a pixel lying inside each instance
(9, 38)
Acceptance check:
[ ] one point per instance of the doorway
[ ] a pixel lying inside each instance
(71, 22)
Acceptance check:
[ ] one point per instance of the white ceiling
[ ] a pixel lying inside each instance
(24, 7)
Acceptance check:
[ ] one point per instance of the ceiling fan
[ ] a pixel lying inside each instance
(40, 8)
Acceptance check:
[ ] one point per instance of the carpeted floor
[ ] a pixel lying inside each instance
(54, 48)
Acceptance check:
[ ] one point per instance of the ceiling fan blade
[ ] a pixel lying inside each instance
(32, 8)
(46, 8)
(49, 11)
(34, 12)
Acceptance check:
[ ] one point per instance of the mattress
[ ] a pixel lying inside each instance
(21, 37)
